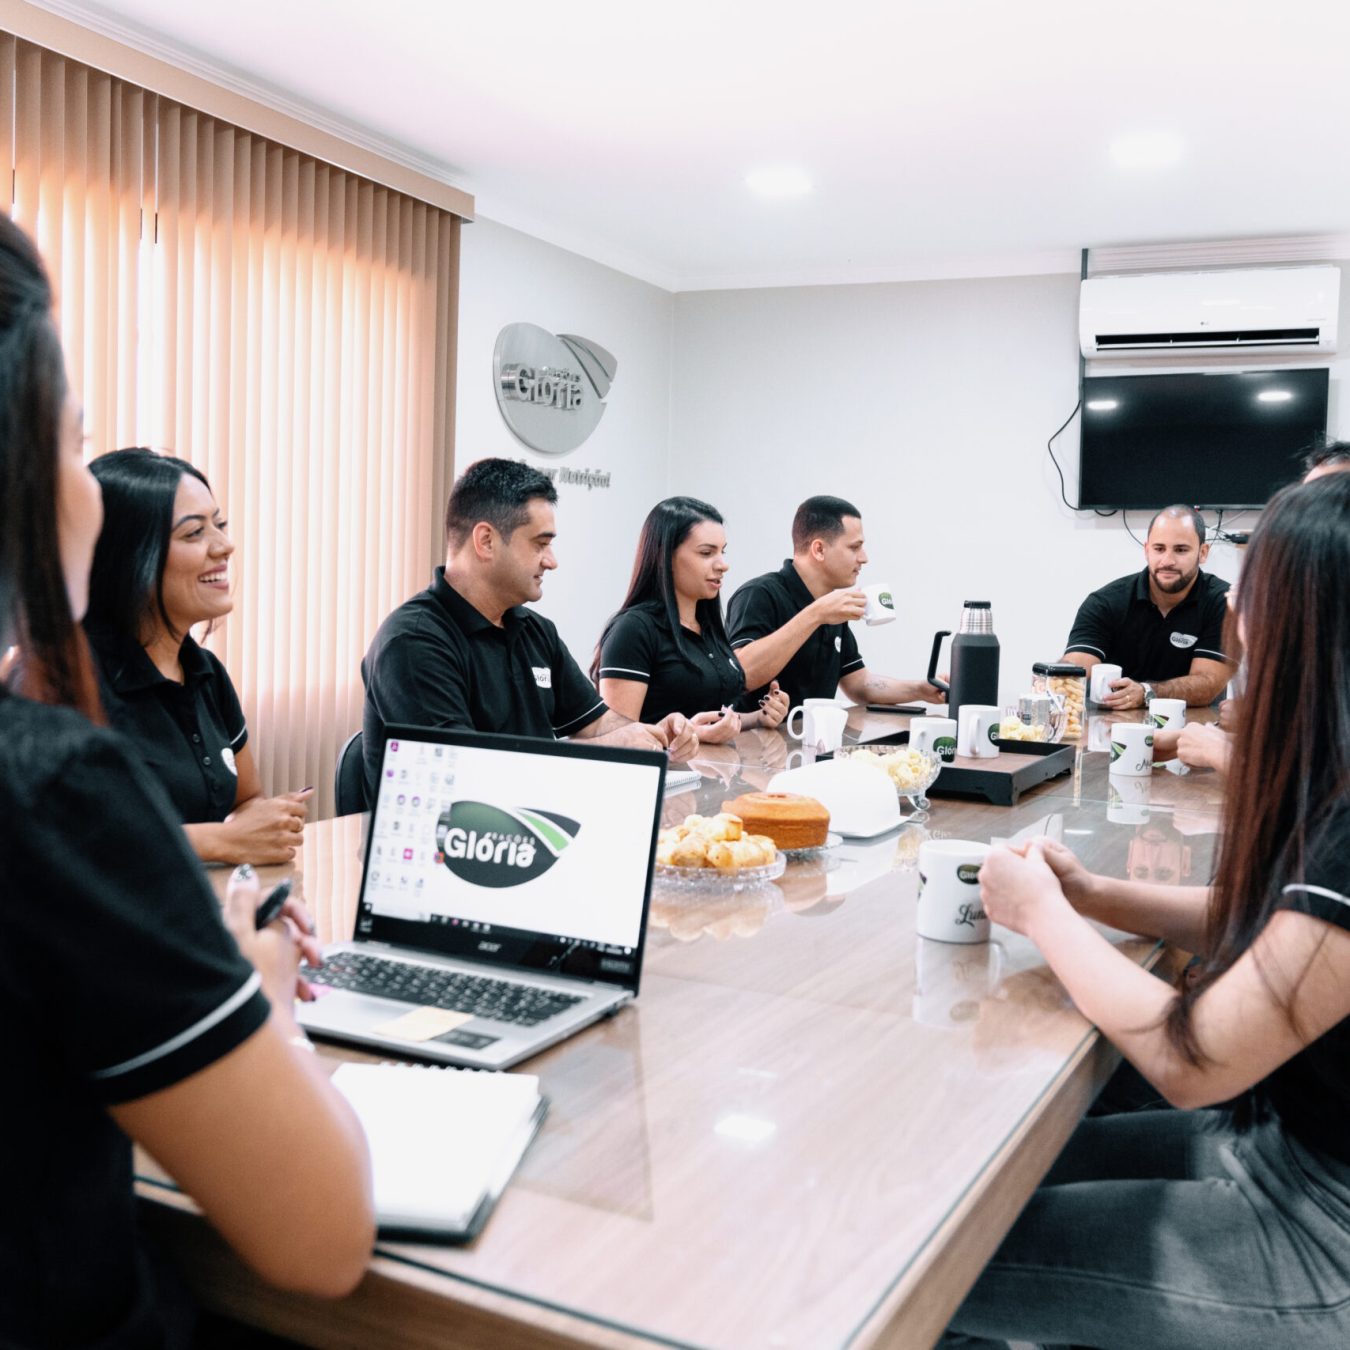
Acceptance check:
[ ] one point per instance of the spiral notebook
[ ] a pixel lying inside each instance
(443, 1142)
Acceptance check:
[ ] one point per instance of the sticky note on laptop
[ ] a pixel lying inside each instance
(421, 1024)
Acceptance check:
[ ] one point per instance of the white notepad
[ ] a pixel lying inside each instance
(681, 780)
(443, 1142)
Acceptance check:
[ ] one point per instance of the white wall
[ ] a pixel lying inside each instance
(508, 277)
(928, 404)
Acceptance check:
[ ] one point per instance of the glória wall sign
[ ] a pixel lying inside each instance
(551, 390)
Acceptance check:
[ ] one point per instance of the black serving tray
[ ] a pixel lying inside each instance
(1021, 766)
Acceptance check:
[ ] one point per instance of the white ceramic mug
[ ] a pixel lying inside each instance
(1131, 750)
(950, 909)
(880, 605)
(950, 982)
(1128, 800)
(802, 710)
(976, 727)
(937, 735)
(1167, 712)
(1100, 680)
(823, 722)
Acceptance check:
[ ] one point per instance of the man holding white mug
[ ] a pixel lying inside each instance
(1163, 627)
(792, 625)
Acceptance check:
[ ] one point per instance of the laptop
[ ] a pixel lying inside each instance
(503, 901)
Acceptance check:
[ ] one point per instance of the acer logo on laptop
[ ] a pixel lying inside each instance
(494, 846)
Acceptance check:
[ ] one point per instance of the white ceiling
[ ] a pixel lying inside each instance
(944, 137)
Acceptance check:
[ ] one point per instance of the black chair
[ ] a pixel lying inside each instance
(350, 783)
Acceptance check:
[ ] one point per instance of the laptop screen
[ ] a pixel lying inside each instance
(518, 852)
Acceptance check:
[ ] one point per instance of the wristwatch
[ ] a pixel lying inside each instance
(1148, 692)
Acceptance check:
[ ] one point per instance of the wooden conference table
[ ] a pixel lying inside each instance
(812, 1129)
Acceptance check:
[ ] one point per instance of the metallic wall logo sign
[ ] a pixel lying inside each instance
(551, 390)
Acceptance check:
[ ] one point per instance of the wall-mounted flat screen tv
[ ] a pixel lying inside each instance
(1226, 439)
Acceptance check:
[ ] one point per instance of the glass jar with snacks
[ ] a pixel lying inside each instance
(1068, 683)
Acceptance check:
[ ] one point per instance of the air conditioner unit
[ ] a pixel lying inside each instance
(1251, 310)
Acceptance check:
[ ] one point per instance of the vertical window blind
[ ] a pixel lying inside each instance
(286, 326)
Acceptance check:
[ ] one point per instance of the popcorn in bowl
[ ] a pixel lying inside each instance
(911, 771)
(1012, 728)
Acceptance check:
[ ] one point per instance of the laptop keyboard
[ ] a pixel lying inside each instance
(436, 987)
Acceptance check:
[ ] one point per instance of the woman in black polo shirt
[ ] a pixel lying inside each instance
(666, 650)
(128, 1010)
(1226, 1226)
(161, 568)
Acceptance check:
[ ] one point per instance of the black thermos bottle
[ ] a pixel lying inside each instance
(974, 659)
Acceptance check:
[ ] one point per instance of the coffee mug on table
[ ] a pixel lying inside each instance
(1101, 679)
(936, 735)
(977, 728)
(1167, 712)
(1131, 749)
(823, 722)
(880, 605)
(949, 891)
(801, 711)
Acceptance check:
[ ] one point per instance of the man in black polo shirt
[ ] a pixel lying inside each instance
(792, 625)
(1163, 626)
(466, 653)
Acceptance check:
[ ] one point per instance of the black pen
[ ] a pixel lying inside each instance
(272, 903)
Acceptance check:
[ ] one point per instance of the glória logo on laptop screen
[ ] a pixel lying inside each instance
(494, 846)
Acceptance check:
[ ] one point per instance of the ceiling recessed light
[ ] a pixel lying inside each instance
(780, 182)
(1146, 150)
(1274, 396)
(1102, 404)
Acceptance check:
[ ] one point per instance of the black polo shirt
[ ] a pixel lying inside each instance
(1120, 624)
(686, 672)
(437, 662)
(762, 606)
(187, 734)
(117, 979)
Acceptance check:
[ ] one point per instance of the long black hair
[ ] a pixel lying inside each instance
(126, 588)
(1290, 769)
(54, 665)
(667, 526)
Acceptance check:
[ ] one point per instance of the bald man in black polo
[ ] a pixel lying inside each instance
(1163, 626)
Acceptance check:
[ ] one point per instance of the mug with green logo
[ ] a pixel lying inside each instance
(1131, 750)
(950, 909)
(937, 735)
(880, 605)
(1167, 712)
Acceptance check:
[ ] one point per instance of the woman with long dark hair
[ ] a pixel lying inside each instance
(162, 568)
(1229, 1226)
(666, 650)
(128, 1009)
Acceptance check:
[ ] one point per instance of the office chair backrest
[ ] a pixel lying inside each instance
(351, 776)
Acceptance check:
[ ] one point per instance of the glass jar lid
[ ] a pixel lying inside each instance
(1059, 668)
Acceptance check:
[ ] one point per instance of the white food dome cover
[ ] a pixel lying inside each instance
(861, 801)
